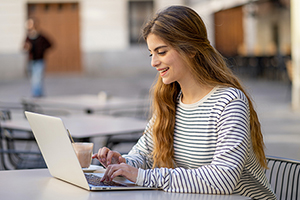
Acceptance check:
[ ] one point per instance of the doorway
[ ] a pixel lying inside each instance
(229, 32)
(60, 22)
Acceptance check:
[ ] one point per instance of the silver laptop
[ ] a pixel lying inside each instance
(59, 155)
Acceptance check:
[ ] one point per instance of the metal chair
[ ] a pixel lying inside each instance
(48, 110)
(129, 140)
(12, 157)
(284, 176)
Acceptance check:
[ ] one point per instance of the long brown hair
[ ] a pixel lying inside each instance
(183, 29)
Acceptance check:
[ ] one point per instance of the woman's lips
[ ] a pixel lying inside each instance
(163, 71)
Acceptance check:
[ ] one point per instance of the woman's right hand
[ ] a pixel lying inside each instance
(27, 46)
(107, 157)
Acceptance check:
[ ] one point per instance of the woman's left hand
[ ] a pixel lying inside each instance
(122, 169)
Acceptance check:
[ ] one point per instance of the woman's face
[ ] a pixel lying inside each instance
(167, 61)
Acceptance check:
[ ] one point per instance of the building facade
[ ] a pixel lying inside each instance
(100, 37)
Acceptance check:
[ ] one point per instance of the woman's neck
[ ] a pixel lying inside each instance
(193, 92)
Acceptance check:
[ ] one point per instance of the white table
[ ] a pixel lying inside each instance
(38, 184)
(88, 126)
(85, 127)
(88, 103)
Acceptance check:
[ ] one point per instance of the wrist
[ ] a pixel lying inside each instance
(140, 177)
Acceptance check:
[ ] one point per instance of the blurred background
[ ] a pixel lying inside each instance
(97, 46)
(96, 37)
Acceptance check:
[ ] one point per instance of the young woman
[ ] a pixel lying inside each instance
(204, 135)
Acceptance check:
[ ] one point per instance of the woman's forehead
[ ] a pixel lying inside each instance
(154, 42)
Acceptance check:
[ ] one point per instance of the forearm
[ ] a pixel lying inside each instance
(138, 157)
(140, 154)
(207, 180)
(136, 161)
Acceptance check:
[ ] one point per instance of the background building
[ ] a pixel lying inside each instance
(100, 37)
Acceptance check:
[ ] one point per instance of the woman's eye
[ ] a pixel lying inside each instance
(162, 53)
(159, 53)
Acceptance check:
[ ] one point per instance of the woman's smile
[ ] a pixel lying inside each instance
(163, 71)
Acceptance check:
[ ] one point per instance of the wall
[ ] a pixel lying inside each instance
(105, 36)
(295, 16)
(104, 25)
(266, 17)
(11, 37)
(113, 56)
(161, 4)
(11, 25)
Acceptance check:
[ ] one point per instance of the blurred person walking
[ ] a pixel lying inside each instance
(36, 45)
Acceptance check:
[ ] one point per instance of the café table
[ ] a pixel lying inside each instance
(87, 103)
(38, 184)
(84, 127)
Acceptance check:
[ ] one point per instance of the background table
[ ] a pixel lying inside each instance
(88, 103)
(88, 126)
(39, 185)
(82, 128)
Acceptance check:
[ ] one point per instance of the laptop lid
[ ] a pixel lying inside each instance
(59, 155)
(56, 148)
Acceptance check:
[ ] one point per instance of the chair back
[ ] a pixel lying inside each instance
(284, 176)
(16, 151)
(5, 115)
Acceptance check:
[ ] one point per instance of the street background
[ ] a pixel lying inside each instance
(280, 125)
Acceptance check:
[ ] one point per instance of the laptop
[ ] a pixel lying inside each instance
(60, 157)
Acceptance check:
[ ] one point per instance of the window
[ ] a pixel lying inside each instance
(139, 12)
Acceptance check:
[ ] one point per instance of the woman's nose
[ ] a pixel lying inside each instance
(155, 61)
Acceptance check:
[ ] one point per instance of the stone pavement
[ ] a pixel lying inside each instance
(280, 125)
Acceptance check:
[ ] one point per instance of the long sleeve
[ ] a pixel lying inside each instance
(222, 175)
(140, 154)
(212, 150)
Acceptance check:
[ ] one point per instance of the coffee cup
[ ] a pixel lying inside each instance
(84, 152)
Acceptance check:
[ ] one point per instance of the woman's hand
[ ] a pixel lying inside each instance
(107, 157)
(27, 46)
(122, 169)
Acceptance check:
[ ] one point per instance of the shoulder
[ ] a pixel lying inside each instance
(225, 98)
(228, 94)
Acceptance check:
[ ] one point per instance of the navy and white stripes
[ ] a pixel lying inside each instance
(212, 150)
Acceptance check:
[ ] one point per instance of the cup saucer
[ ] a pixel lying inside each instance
(92, 168)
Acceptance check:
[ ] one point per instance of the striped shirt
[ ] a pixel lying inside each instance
(212, 150)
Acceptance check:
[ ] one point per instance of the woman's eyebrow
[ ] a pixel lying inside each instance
(159, 47)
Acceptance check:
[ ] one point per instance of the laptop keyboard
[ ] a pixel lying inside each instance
(95, 180)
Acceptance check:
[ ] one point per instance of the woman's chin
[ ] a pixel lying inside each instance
(166, 81)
